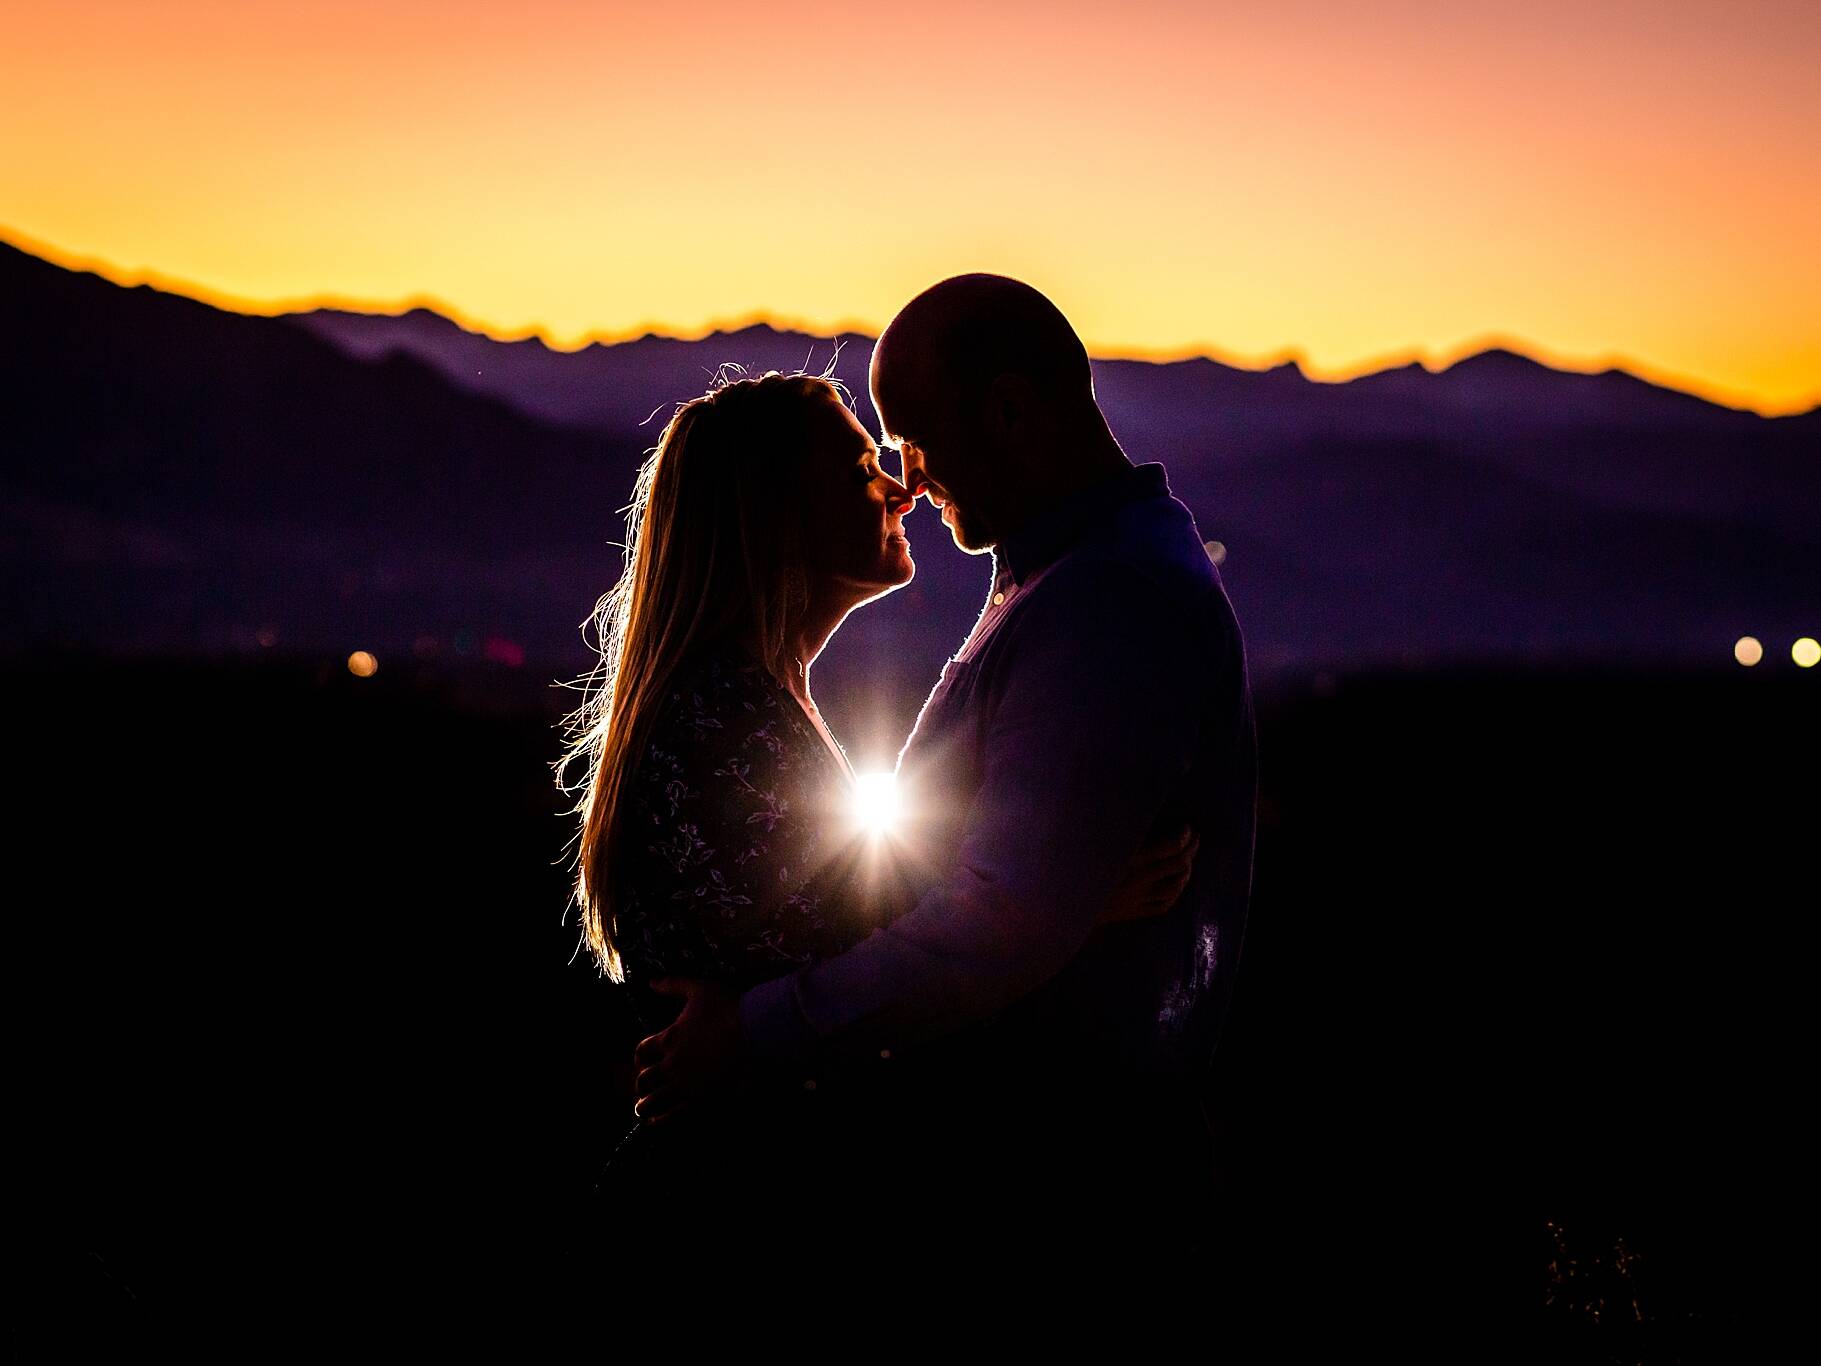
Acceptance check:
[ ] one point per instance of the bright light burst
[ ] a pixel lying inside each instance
(1748, 651)
(876, 801)
(1806, 652)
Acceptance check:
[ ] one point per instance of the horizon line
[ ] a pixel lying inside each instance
(1434, 362)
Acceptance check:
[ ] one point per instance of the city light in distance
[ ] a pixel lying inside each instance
(362, 665)
(1748, 651)
(1806, 652)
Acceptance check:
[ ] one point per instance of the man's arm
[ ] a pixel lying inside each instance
(1095, 718)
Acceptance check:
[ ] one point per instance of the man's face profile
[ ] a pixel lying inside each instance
(936, 459)
(929, 475)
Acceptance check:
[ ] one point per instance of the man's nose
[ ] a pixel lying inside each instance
(898, 499)
(909, 477)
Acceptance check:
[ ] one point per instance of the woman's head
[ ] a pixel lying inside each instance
(762, 495)
(763, 503)
(852, 512)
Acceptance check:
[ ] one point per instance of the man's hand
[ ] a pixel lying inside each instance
(700, 1056)
(1153, 880)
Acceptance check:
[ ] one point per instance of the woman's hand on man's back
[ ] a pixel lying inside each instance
(1153, 880)
(700, 1056)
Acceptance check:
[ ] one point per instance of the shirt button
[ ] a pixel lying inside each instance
(998, 598)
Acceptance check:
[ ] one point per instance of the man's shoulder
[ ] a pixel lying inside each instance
(1097, 606)
(1148, 551)
(1145, 587)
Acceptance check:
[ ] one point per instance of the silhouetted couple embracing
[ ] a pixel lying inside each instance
(984, 1030)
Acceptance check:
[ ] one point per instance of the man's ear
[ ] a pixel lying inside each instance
(1010, 403)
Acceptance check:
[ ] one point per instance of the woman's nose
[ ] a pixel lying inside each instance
(898, 498)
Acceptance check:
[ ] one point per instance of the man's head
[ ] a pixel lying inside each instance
(982, 384)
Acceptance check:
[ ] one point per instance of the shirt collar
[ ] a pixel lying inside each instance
(1043, 540)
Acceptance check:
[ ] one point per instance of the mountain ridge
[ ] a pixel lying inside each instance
(181, 478)
(1497, 355)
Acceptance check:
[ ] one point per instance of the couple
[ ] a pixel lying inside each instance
(990, 1026)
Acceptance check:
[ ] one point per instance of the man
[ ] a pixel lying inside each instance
(1100, 701)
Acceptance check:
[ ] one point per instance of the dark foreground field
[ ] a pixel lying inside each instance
(1518, 1051)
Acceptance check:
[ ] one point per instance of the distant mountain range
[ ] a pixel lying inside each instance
(182, 479)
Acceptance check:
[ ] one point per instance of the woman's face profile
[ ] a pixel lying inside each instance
(853, 510)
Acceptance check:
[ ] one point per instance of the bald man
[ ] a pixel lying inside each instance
(1031, 1061)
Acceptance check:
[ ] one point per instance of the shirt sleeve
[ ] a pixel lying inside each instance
(1091, 726)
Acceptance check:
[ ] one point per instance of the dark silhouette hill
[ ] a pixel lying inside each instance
(1495, 509)
(183, 479)
(606, 388)
(178, 477)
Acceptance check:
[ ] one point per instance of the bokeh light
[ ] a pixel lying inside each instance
(503, 651)
(362, 665)
(1806, 652)
(1748, 651)
(1216, 552)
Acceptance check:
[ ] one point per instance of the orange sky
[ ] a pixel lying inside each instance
(1346, 183)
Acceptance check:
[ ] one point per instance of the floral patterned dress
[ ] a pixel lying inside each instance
(739, 852)
(740, 861)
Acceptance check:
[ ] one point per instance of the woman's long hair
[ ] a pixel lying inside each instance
(715, 549)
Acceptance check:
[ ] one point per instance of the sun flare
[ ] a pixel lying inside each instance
(876, 802)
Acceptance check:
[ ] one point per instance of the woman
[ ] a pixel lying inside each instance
(717, 840)
(761, 519)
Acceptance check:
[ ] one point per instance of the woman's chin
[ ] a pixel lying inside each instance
(897, 572)
(900, 567)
